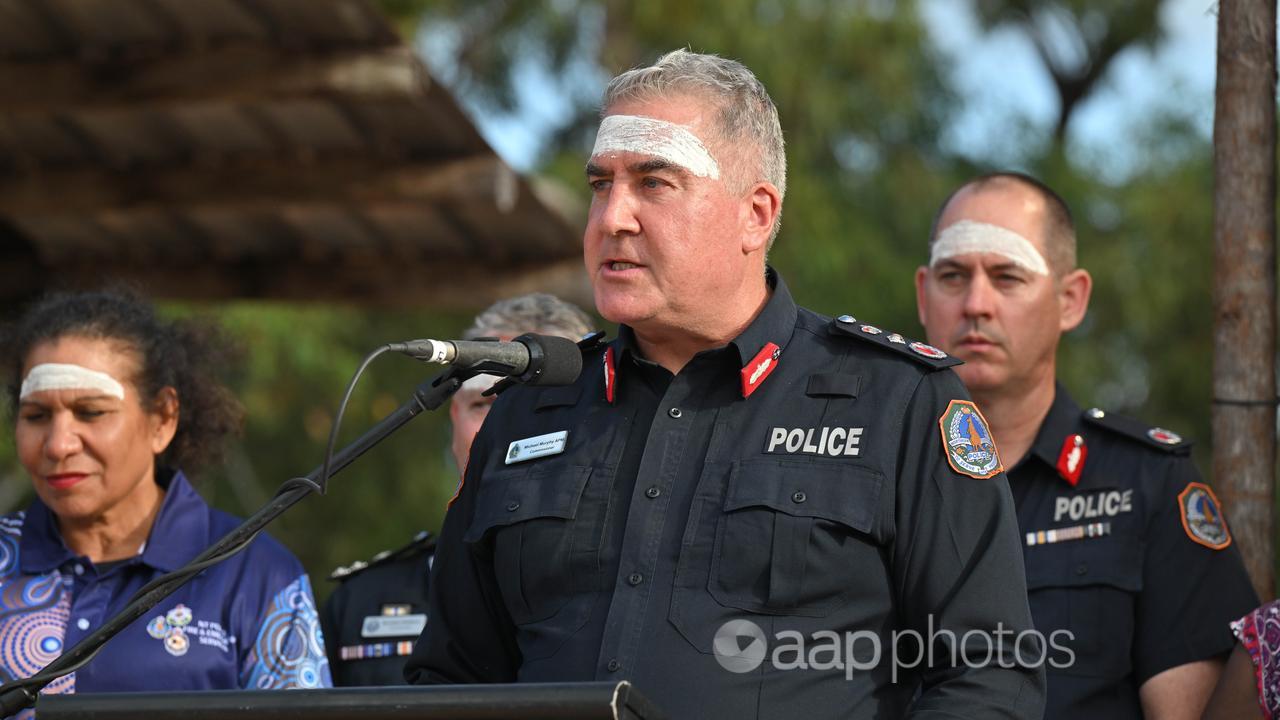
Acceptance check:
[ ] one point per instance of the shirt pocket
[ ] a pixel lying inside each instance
(544, 543)
(1083, 596)
(790, 538)
(791, 535)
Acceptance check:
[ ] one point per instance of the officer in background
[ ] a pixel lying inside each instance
(1126, 547)
(372, 619)
(732, 474)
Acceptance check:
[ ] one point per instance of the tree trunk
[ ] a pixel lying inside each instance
(1244, 296)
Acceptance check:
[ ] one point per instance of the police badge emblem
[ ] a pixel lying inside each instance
(967, 441)
(1202, 516)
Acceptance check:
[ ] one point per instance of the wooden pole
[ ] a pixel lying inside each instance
(1244, 294)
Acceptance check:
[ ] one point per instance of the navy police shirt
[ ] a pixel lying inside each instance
(248, 622)
(771, 532)
(1127, 551)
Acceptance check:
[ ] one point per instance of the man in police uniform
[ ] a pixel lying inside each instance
(1126, 547)
(372, 619)
(741, 504)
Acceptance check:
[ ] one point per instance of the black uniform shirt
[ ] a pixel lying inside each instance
(797, 478)
(1139, 585)
(373, 618)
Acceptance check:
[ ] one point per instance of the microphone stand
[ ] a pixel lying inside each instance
(21, 694)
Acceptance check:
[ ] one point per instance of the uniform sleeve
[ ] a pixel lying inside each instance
(331, 621)
(1190, 592)
(469, 637)
(288, 650)
(958, 568)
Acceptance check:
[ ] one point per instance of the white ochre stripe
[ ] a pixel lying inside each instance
(968, 237)
(62, 376)
(655, 138)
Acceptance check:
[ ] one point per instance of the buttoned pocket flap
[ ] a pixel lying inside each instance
(1089, 561)
(538, 492)
(838, 492)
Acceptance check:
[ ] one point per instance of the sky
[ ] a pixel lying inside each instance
(1005, 83)
(1006, 91)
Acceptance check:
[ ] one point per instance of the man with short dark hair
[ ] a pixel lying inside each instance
(372, 619)
(733, 474)
(1126, 547)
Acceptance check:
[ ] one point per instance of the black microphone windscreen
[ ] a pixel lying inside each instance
(562, 360)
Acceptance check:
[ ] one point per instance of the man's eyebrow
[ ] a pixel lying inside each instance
(658, 165)
(594, 170)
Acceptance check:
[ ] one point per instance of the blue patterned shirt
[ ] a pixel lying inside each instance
(248, 622)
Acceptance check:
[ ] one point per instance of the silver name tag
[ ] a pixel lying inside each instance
(536, 447)
(380, 626)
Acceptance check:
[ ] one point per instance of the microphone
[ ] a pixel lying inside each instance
(530, 359)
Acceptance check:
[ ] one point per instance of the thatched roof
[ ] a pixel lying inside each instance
(250, 148)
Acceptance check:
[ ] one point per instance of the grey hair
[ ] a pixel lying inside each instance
(536, 312)
(746, 110)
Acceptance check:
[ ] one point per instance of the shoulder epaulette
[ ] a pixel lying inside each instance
(1153, 437)
(422, 542)
(924, 354)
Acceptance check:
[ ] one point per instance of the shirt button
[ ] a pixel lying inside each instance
(83, 624)
(513, 506)
(799, 496)
(614, 665)
(675, 413)
(652, 492)
(635, 579)
(79, 569)
(1082, 569)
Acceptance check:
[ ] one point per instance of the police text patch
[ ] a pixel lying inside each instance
(829, 441)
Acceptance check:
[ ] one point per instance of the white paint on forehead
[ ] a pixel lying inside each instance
(657, 138)
(967, 236)
(62, 376)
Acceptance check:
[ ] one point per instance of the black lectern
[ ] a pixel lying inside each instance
(550, 701)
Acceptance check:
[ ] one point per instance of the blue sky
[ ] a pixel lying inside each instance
(1005, 89)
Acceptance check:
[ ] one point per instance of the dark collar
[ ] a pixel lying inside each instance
(180, 531)
(1062, 421)
(775, 324)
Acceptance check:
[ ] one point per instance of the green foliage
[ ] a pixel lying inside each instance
(863, 101)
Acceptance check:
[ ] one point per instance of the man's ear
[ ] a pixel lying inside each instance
(763, 204)
(922, 276)
(1073, 297)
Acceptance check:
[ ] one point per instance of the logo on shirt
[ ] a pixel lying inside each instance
(1202, 516)
(967, 441)
(815, 441)
(178, 628)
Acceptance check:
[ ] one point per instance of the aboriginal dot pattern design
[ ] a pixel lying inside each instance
(289, 650)
(34, 610)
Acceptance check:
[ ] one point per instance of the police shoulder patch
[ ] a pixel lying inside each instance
(847, 326)
(421, 542)
(1202, 516)
(1152, 437)
(967, 441)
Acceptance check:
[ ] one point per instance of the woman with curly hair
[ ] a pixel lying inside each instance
(111, 405)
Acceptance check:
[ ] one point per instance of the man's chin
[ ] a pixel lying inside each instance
(622, 308)
(979, 376)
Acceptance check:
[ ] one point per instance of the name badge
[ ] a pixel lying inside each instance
(536, 447)
(380, 626)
